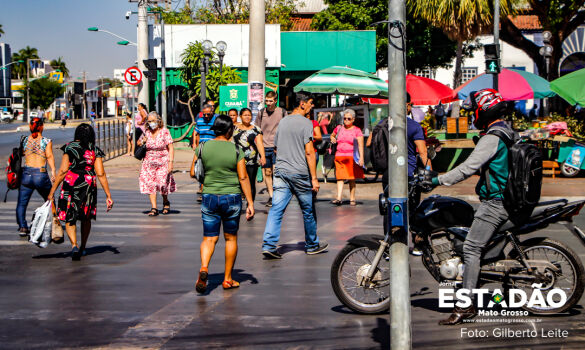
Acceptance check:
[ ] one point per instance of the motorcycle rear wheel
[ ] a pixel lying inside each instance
(571, 278)
(346, 271)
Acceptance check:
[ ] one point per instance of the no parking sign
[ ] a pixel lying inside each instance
(133, 76)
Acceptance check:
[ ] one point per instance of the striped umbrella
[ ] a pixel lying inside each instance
(343, 81)
(513, 85)
(570, 87)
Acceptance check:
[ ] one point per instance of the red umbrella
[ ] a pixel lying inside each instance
(423, 91)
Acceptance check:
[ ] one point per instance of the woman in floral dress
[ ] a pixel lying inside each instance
(81, 164)
(156, 174)
(248, 138)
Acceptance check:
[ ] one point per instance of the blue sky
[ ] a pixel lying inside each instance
(59, 28)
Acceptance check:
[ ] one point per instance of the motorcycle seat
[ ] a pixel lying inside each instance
(541, 208)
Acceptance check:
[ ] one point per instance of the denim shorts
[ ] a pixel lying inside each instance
(270, 157)
(218, 208)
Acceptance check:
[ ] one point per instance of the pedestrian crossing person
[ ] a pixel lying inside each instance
(225, 180)
(156, 173)
(81, 165)
(38, 152)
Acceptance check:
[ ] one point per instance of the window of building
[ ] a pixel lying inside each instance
(467, 74)
(425, 72)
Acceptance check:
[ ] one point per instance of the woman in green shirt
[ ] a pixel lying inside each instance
(225, 180)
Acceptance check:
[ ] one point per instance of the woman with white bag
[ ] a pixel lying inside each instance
(81, 164)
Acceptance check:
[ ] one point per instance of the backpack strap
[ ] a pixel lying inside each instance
(508, 142)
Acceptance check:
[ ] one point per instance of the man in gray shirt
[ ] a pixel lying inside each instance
(295, 172)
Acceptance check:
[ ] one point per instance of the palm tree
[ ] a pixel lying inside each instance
(1, 30)
(28, 52)
(460, 20)
(60, 65)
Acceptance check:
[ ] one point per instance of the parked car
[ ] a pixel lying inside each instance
(32, 115)
(7, 117)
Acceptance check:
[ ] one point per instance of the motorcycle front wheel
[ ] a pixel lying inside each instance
(349, 282)
(569, 276)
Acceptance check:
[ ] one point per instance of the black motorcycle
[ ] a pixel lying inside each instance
(360, 274)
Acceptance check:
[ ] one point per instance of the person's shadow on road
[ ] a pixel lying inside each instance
(286, 248)
(216, 279)
(88, 251)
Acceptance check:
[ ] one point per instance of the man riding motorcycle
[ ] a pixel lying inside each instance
(490, 159)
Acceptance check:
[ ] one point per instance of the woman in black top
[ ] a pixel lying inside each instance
(81, 164)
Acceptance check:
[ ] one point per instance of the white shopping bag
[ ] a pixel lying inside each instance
(40, 230)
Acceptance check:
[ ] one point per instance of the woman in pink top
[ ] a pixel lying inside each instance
(141, 116)
(345, 166)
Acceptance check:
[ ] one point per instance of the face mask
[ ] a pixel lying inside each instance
(153, 125)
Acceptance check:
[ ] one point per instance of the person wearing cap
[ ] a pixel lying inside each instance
(490, 159)
(38, 152)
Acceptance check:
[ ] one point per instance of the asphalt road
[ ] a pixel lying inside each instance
(135, 289)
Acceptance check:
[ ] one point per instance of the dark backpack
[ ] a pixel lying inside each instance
(522, 191)
(14, 168)
(380, 136)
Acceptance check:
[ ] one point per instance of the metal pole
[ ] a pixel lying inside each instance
(546, 106)
(25, 116)
(84, 102)
(163, 71)
(400, 329)
(496, 37)
(142, 43)
(203, 93)
(256, 56)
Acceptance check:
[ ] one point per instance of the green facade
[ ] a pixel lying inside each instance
(313, 51)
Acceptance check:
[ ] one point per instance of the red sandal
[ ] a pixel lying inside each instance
(230, 284)
(201, 284)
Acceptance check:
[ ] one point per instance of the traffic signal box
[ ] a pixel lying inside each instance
(492, 58)
(151, 73)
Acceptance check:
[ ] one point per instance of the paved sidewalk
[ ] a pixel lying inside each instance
(123, 171)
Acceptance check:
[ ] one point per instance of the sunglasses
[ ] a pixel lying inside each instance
(207, 114)
(347, 118)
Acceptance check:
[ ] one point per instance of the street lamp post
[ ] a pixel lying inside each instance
(123, 42)
(546, 51)
(28, 60)
(204, 67)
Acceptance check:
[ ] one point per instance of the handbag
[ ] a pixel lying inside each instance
(140, 151)
(199, 169)
(56, 229)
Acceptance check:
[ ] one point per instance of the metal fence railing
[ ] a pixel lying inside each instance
(111, 137)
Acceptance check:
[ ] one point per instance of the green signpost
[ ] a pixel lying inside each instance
(233, 96)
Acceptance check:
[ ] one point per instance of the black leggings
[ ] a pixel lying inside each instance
(252, 171)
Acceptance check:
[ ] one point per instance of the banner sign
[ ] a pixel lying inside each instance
(233, 96)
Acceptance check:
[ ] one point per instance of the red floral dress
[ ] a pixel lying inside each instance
(78, 197)
(154, 174)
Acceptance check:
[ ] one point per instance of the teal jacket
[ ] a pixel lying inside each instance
(490, 160)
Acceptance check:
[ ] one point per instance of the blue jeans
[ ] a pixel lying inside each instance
(218, 208)
(285, 186)
(32, 179)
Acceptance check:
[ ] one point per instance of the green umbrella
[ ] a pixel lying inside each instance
(344, 81)
(571, 87)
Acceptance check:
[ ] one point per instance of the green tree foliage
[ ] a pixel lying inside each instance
(232, 12)
(460, 20)
(19, 69)
(43, 92)
(60, 65)
(191, 61)
(426, 46)
(560, 17)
